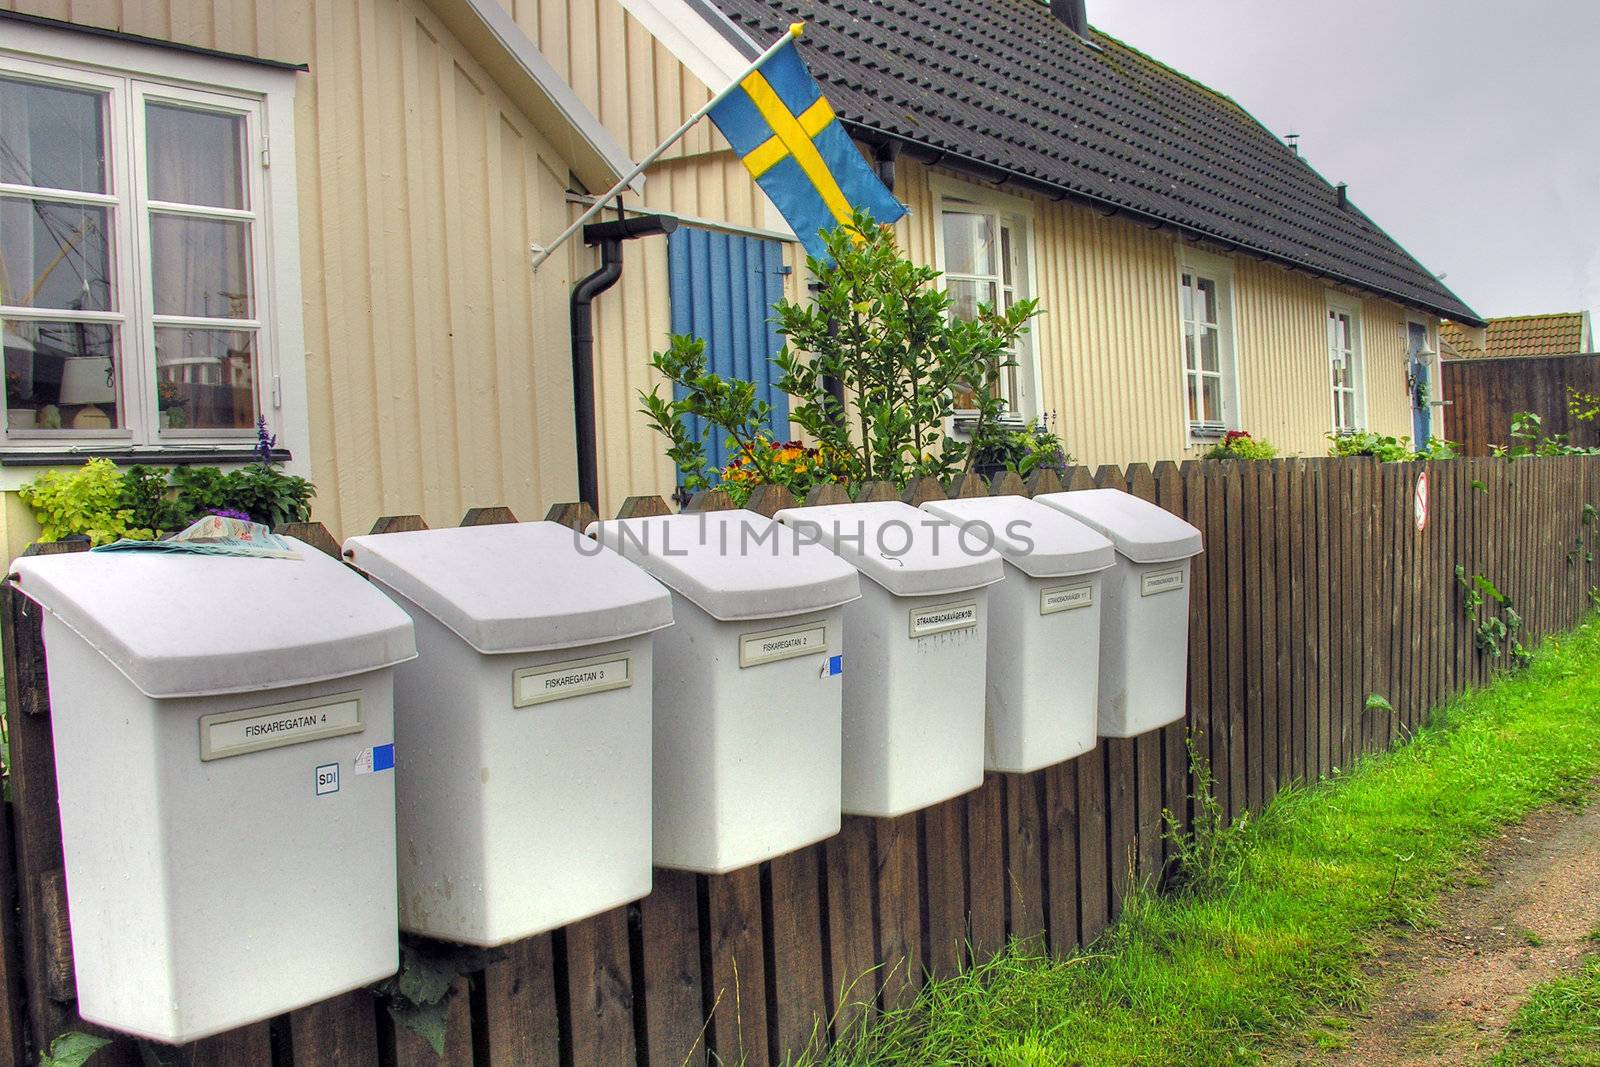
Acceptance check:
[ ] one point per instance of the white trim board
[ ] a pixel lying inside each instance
(493, 36)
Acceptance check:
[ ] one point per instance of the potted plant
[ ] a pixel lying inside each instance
(173, 406)
(1034, 447)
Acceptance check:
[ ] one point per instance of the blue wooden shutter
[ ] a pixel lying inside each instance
(723, 288)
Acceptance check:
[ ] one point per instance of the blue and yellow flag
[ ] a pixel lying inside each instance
(784, 130)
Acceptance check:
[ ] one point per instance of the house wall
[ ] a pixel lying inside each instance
(438, 366)
(1110, 339)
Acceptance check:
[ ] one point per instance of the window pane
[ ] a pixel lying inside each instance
(1213, 397)
(195, 157)
(1006, 255)
(1208, 349)
(61, 375)
(1188, 346)
(54, 255)
(968, 243)
(965, 297)
(1187, 291)
(52, 136)
(201, 267)
(206, 379)
(1208, 301)
(1194, 397)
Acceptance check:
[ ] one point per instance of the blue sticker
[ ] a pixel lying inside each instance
(835, 665)
(377, 758)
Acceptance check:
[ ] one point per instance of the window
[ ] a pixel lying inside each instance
(134, 309)
(1344, 364)
(1204, 291)
(983, 252)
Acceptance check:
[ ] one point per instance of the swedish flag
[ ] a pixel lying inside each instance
(784, 130)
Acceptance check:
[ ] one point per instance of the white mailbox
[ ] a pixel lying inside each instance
(523, 726)
(914, 649)
(1144, 642)
(1044, 629)
(747, 685)
(224, 733)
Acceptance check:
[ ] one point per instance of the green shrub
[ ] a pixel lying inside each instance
(86, 502)
(881, 332)
(1240, 445)
(103, 503)
(1366, 443)
(149, 501)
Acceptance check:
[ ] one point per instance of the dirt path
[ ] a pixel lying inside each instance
(1522, 917)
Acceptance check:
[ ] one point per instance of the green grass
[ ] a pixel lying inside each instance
(1558, 1025)
(1272, 952)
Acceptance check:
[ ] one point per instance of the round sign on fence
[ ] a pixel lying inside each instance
(1421, 501)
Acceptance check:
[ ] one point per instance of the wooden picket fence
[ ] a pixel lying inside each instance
(1317, 590)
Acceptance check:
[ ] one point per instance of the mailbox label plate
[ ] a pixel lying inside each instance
(770, 646)
(558, 681)
(233, 733)
(1161, 582)
(1065, 598)
(940, 618)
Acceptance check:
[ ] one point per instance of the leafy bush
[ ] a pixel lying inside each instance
(267, 495)
(1034, 447)
(1529, 439)
(1389, 449)
(1366, 443)
(1240, 445)
(149, 501)
(87, 502)
(104, 504)
(882, 334)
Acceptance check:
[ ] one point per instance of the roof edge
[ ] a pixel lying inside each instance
(938, 156)
(495, 40)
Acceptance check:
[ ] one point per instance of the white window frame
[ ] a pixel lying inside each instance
(1218, 269)
(132, 73)
(1340, 304)
(1435, 371)
(1018, 214)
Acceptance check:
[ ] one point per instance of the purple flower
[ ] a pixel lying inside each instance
(229, 513)
(265, 442)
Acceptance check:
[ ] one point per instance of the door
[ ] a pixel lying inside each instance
(723, 288)
(1422, 385)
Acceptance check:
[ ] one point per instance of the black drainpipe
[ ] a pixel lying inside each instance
(609, 236)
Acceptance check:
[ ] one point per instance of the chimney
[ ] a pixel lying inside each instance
(1344, 193)
(1072, 12)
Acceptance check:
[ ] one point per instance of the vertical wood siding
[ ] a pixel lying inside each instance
(1110, 340)
(437, 367)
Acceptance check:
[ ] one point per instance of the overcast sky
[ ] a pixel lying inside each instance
(1468, 129)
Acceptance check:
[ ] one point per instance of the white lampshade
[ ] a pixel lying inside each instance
(87, 380)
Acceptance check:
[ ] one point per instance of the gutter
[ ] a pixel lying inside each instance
(609, 236)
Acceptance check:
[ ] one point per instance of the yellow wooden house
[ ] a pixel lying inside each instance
(322, 212)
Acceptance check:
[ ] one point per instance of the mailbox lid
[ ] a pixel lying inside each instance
(906, 551)
(1142, 532)
(1040, 541)
(517, 587)
(181, 625)
(733, 565)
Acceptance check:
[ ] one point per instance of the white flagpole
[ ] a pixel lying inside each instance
(542, 254)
